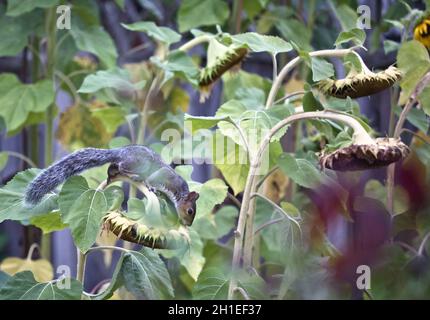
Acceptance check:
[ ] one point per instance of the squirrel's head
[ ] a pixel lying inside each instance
(187, 208)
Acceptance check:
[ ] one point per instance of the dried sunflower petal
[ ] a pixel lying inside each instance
(362, 157)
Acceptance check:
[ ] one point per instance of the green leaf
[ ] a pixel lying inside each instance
(145, 275)
(197, 13)
(417, 117)
(18, 7)
(162, 34)
(119, 142)
(346, 16)
(23, 286)
(233, 164)
(117, 78)
(12, 205)
(413, 59)
(213, 284)
(48, 222)
(83, 208)
(357, 36)
(310, 103)
(111, 117)
(18, 101)
(296, 32)
(212, 192)
(424, 100)
(301, 171)
(4, 277)
(96, 41)
(199, 122)
(178, 63)
(193, 259)
(262, 43)
(321, 69)
(255, 122)
(4, 156)
(215, 226)
(14, 32)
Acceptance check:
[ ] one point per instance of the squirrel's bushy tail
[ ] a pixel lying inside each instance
(69, 166)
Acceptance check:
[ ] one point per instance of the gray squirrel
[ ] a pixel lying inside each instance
(139, 163)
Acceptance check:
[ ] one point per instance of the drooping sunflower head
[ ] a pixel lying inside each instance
(422, 30)
(135, 232)
(220, 59)
(361, 84)
(365, 156)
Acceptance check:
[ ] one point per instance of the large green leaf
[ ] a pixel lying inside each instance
(83, 208)
(301, 171)
(145, 275)
(193, 259)
(413, 59)
(260, 43)
(321, 69)
(18, 7)
(347, 17)
(115, 78)
(233, 164)
(14, 31)
(295, 31)
(12, 204)
(212, 192)
(196, 13)
(17, 100)
(215, 226)
(96, 41)
(48, 222)
(162, 34)
(255, 122)
(23, 286)
(213, 284)
(111, 117)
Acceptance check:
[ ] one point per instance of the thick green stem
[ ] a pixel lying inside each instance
(195, 42)
(51, 31)
(80, 269)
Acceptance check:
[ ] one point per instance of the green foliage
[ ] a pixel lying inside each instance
(262, 43)
(413, 59)
(12, 206)
(19, 100)
(48, 222)
(96, 41)
(23, 286)
(145, 275)
(162, 34)
(356, 36)
(83, 208)
(197, 13)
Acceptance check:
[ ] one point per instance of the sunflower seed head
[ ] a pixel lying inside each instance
(360, 84)
(362, 157)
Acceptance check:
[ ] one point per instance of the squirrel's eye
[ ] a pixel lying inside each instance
(190, 211)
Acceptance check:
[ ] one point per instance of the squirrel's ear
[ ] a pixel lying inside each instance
(193, 196)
